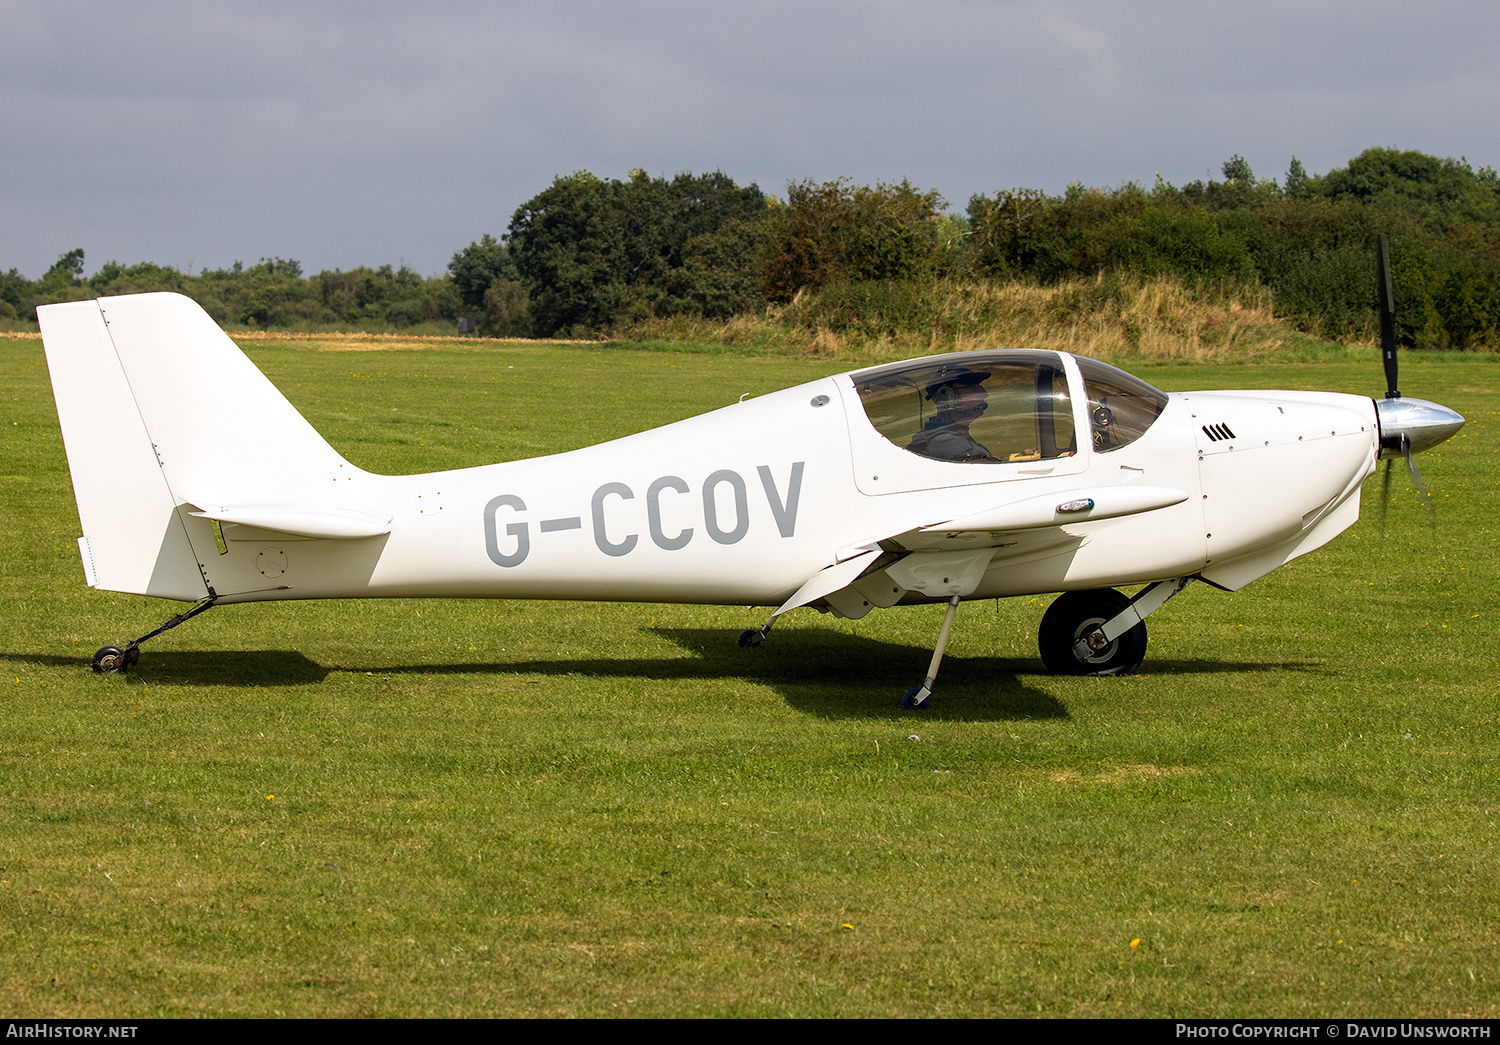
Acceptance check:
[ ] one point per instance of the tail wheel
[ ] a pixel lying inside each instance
(1071, 616)
(109, 661)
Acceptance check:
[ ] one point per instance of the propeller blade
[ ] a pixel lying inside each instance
(1406, 426)
(1416, 480)
(1387, 316)
(1385, 495)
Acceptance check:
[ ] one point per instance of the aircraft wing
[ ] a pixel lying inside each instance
(1005, 524)
(950, 557)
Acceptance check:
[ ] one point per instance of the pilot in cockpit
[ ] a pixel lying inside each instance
(958, 397)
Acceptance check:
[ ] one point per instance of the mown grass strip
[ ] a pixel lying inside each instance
(490, 808)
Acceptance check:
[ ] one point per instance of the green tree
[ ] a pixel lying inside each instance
(62, 282)
(272, 293)
(834, 230)
(1464, 304)
(16, 291)
(1439, 192)
(594, 254)
(1296, 180)
(1240, 189)
(478, 265)
(1010, 233)
(1236, 169)
(440, 299)
(69, 267)
(143, 278)
(507, 310)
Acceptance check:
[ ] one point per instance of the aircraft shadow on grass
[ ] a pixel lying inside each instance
(201, 667)
(817, 672)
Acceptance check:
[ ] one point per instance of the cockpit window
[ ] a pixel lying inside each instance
(974, 408)
(1121, 406)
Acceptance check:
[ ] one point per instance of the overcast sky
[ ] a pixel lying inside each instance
(195, 134)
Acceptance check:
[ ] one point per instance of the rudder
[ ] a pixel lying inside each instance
(163, 419)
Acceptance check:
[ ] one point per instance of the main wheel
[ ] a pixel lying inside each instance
(1071, 615)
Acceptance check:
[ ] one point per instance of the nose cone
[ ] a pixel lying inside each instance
(1414, 422)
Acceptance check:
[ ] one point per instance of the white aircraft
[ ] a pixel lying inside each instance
(965, 476)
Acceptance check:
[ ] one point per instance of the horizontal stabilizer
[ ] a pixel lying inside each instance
(336, 524)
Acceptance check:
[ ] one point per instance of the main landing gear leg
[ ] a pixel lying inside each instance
(1147, 601)
(112, 660)
(916, 699)
(1101, 632)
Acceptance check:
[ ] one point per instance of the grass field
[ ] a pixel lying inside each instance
(487, 808)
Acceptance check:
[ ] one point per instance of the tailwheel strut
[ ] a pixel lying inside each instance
(752, 637)
(114, 660)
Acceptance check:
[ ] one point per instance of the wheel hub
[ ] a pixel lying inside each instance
(1091, 634)
(1072, 639)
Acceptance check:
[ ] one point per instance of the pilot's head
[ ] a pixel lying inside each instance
(958, 393)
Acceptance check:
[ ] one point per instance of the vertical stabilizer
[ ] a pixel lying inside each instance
(168, 425)
(224, 433)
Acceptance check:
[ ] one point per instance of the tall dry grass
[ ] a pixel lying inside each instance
(1118, 318)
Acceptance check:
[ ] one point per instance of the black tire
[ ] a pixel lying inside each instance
(1072, 614)
(109, 661)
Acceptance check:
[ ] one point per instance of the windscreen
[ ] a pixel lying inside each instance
(1121, 406)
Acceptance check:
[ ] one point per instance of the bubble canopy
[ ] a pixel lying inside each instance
(1003, 407)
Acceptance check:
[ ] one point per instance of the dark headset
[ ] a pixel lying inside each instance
(944, 397)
